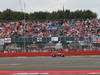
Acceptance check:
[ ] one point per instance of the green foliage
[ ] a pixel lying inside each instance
(9, 15)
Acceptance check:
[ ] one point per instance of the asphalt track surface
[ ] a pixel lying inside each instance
(50, 63)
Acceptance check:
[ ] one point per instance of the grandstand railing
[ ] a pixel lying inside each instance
(46, 43)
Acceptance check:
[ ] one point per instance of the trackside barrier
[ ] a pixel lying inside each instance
(30, 54)
(77, 53)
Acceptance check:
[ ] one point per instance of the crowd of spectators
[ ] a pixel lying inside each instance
(80, 28)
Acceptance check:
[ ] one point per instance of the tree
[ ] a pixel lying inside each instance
(10, 15)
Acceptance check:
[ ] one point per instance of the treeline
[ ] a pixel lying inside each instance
(10, 15)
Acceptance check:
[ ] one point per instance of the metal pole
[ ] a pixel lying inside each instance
(20, 5)
(24, 23)
(23, 9)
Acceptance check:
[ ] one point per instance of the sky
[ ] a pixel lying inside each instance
(50, 5)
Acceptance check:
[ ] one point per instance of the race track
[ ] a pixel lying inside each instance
(50, 63)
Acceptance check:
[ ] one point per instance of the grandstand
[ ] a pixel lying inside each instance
(37, 36)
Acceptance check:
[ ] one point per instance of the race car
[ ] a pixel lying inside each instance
(57, 53)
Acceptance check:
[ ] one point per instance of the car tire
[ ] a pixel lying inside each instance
(62, 55)
(53, 55)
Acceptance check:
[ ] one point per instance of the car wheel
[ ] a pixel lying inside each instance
(53, 55)
(62, 55)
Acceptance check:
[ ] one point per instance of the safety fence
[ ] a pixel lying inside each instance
(44, 43)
